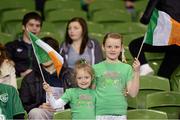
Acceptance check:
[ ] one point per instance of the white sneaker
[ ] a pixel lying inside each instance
(146, 70)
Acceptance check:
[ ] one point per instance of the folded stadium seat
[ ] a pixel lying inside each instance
(127, 38)
(60, 18)
(111, 17)
(175, 80)
(11, 18)
(127, 28)
(16, 4)
(51, 5)
(146, 114)
(55, 35)
(148, 84)
(5, 37)
(19, 80)
(168, 102)
(95, 27)
(62, 115)
(105, 5)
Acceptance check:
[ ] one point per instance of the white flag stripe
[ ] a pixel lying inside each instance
(162, 31)
(48, 49)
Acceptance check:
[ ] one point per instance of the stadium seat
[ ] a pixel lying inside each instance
(60, 18)
(95, 27)
(50, 34)
(110, 17)
(51, 5)
(168, 102)
(16, 4)
(5, 38)
(146, 114)
(127, 28)
(148, 84)
(11, 18)
(19, 80)
(175, 80)
(62, 115)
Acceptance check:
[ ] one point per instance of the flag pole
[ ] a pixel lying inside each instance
(140, 48)
(37, 59)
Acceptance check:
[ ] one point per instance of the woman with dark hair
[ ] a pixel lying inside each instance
(78, 45)
(7, 70)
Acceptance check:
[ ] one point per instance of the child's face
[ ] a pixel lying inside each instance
(83, 79)
(112, 48)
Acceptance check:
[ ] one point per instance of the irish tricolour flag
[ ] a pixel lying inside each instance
(162, 30)
(45, 53)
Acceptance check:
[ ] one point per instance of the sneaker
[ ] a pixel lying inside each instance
(146, 70)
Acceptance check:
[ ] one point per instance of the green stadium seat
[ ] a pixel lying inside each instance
(146, 114)
(51, 5)
(16, 4)
(95, 27)
(175, 80)
(148, 84)
(62, 115)
(168, 102)
(5, 38)
(50, 34)
(127, 28)
(19, 81)
(60, 18)
(12, 18)
(110, 17)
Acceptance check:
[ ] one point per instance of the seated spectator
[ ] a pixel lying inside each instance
(7, 70)
(77, 45)
(31, 92)
(20, 50)
(172, 57)
(10, 103)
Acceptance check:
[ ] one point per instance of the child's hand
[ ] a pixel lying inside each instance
(47, 88)
(136, 65)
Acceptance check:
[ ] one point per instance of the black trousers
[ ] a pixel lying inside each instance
(170, 61)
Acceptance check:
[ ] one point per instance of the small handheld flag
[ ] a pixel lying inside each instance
(45, 53)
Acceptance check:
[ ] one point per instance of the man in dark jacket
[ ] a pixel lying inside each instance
(20, 50)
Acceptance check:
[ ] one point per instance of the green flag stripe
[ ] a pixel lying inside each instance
(151, 27)
(41, 55)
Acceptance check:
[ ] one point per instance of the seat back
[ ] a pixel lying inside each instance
(148, 84)
(146, 114)
(62, 115)
(175, 80)
(5, 38)
(168, 102)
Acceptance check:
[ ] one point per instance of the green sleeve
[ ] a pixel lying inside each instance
(66, 97)
(16, 103)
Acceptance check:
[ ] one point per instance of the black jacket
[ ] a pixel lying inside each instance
(21, 53)
(32, 93)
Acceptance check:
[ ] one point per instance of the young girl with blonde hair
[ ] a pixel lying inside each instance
(81, 98)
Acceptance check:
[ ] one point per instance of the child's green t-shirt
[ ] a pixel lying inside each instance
(111, 80)
(82, 103)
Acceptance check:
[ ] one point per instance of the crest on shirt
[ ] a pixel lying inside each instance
(19, 50)
(4, 97)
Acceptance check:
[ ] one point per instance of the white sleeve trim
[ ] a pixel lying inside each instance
(59, 103)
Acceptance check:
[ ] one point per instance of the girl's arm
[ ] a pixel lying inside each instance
(53, 102)
(56, 103)
(133, 85)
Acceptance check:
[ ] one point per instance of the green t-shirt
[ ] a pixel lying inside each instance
(111, 80)
(82, 103)
(10, 102)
